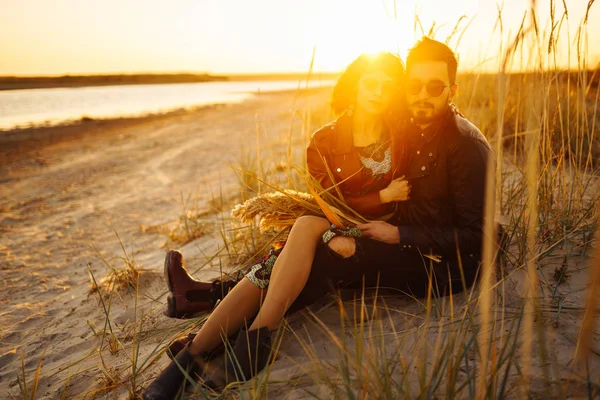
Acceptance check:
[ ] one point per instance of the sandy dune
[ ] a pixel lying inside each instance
(61, 198)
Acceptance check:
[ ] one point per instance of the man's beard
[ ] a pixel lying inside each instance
(421, 117)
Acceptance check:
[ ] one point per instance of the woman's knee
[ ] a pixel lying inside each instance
(343, 245)
(311, 223)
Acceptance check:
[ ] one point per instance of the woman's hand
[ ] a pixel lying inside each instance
(397, 190)
(455, 110)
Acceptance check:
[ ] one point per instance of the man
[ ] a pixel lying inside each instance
(447, 162)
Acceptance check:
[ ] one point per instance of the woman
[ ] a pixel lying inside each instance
(362, 153)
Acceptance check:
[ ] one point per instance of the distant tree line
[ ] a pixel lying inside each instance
(22, 82)
(37, 82)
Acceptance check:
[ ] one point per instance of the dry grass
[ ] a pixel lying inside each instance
(191, 225)
(118, 277)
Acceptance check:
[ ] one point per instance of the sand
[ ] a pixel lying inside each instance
(70, 196)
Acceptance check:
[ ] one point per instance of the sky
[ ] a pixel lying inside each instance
(41, 37)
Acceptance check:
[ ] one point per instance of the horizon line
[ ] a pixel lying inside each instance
(251, 74)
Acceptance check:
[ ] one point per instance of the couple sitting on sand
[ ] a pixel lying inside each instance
(402, 156)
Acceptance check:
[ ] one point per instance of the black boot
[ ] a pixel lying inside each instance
(178, 344)
(250, 354)
(172, 378)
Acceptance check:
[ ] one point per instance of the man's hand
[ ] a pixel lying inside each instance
(397, 190)
(382, 231)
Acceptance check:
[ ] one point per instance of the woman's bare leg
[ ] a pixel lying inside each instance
(245, 298)
(241, 303)
(291, 270)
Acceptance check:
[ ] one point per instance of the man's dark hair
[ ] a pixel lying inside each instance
(431, 50)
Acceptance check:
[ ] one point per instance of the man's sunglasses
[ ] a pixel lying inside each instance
(433, 88)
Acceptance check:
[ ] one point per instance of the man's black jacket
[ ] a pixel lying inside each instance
(446, 165)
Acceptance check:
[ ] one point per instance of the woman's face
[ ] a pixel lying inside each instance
(375, 92)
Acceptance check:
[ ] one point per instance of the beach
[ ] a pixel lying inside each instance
(66, 193)
(80, 199)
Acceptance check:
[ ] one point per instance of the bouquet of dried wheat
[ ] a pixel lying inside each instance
(277, 209)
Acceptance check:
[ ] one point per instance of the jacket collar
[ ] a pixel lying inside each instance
(344, 141)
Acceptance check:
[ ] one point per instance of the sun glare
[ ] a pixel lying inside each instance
(269, 35)
(348, 29)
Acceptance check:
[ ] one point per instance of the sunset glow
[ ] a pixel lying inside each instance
(82, 37)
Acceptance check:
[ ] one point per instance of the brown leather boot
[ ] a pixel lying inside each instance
(189, 296)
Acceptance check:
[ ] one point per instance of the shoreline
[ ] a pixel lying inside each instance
(25, 144)
(34, 130)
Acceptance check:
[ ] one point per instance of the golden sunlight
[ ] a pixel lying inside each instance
(156, 157)
(347, 29)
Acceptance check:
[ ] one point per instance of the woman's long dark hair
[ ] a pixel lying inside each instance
(344, 91)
